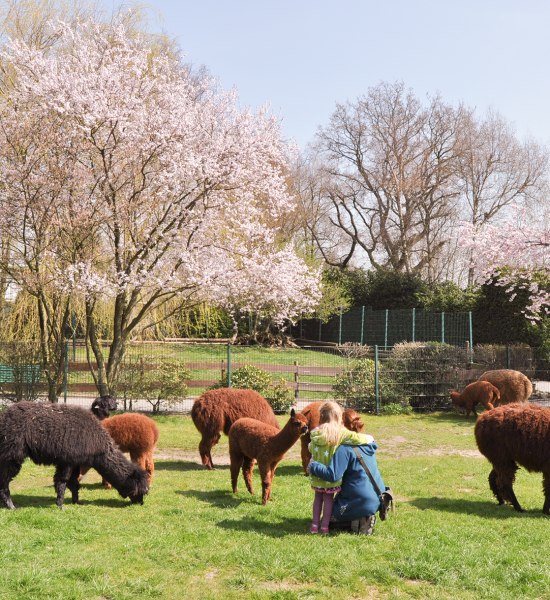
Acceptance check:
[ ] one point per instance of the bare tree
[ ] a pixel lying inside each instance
(390, 166)
(497, 170)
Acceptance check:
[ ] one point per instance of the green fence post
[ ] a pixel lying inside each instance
(65, 372)
(319, 329)
(442, 327)
(340, 329)
(413, 324)
(362, 323)
(73, 322)
(376, 381)
(470, 323)
(386, 331)
(508, 361)
(228, 365)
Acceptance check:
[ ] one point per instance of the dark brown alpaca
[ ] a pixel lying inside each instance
(350, 419)
(251, 440)
(217, 410)
(478, 392)
(512, 435)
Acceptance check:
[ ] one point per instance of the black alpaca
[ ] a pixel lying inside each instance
(67, 437)
(102, 406)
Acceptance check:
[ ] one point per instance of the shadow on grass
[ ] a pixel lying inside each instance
(184, 465)
(450, 417)
(28, 501)
(219, 498)
(267, 527)
(474, 507)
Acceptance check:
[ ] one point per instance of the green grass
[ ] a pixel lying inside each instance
(194, 539)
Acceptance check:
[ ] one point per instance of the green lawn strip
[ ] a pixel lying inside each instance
(194, 539)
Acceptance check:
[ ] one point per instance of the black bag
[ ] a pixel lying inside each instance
(386, 503)
(386, 496)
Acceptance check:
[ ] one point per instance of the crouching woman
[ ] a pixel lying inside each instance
(357, 503)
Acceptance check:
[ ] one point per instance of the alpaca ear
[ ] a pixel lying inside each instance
(292, 412)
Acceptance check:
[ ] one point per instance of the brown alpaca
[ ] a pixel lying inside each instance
(217, 410)
(513, 386)
(136, 434)
(478, 392)
(350, 419)
(251, 440)
(512, 435)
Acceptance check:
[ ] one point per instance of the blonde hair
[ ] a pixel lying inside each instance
(330, 422)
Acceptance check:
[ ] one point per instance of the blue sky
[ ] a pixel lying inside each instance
(301, 57)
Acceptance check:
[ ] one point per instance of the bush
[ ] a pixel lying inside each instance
(356, 386)
(279, 396)
(161, 384)
(425, 372)
(395, 408)
(20, 371)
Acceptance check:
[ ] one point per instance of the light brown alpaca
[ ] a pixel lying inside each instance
(136, 434)
(350, 419)
(251, 440)
(513, 386)
(216, 410)
(478, 392)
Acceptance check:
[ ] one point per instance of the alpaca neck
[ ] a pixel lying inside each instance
(113, 467)
(285, 438)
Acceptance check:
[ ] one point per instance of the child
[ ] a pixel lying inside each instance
(325, 439)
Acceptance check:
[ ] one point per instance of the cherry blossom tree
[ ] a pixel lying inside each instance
(128, 175)
(516, 254)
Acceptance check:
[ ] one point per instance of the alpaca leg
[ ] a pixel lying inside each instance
(306, 456)
(248, 467)
(235, 467)
(546, 488)
(8, 471)
(494, 487)
(505, 482)
(149, 465)
(205, 447)
(60, 479)
(74, 484)
(266, 474)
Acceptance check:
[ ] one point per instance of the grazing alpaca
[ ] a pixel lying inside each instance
(512, 435)
(67, 437)
(350, 419)
(216, 410)
(102, 406)
(136, 434)
(478, 392)
(513, 386)
(251, 440)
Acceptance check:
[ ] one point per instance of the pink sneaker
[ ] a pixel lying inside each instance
(324, 531)
(314, 529)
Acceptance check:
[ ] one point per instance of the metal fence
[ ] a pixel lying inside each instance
(369, 379)
(385, 328)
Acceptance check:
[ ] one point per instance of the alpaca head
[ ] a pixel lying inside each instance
(455, 398)
(352, 420)
(102, 406)
(298, 422)
(135, 486)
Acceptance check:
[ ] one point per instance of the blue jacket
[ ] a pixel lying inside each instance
(357, 498)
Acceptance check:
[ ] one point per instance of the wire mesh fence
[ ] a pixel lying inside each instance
(156, 377)
(385, 328)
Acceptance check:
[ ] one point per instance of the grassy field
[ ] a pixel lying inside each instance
(194, 539)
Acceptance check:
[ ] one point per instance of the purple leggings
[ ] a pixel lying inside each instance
(322, 502)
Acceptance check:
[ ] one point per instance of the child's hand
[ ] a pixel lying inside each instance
(307, 468)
